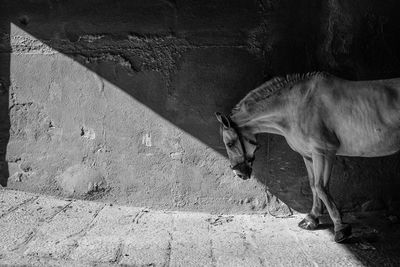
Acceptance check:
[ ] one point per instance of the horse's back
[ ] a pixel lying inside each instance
(364, 115)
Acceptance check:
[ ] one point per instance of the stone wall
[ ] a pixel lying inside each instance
(115, 100)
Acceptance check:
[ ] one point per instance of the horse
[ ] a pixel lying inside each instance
(320, 116)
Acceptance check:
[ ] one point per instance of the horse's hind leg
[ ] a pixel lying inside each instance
(322, 171)
(310, 222)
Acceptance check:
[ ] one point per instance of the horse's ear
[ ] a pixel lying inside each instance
(223, 119)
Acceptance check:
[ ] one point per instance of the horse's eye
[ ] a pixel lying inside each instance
(254, 143)
(230, 144)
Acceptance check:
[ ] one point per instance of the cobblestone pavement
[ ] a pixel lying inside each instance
(37, 230)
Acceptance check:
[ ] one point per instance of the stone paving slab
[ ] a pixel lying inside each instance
(58, 237)
(46, 231)
(150, 241)
(10, 200)
(19, 227)
(103, 242)
(191, 240)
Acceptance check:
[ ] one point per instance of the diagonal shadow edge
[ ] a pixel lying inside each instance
(97, 60)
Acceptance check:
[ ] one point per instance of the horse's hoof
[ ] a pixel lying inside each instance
(308, 223)
(343, 234)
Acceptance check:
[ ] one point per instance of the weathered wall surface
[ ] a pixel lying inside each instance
(115, 100)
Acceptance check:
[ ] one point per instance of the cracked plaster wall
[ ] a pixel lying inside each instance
(114, 100)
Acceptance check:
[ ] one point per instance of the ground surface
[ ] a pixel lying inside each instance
(40, 230)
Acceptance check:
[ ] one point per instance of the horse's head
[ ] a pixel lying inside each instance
(240, 146)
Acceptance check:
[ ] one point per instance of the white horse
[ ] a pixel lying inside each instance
(320, 116)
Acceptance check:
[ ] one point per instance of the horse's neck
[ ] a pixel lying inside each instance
(275, 112)
(263, 122)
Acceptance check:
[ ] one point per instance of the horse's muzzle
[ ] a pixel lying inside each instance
(242, 170)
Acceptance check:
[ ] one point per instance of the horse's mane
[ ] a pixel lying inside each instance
(273, 86)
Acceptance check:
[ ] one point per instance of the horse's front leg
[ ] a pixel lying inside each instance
(310, 222)
(322, 166)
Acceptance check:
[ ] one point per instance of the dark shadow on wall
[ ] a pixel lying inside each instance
(196, 70)
(4, 100)
(357, 184)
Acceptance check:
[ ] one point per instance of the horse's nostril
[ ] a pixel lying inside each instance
(240, 175)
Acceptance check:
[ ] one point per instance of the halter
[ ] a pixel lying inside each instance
(241, 138)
